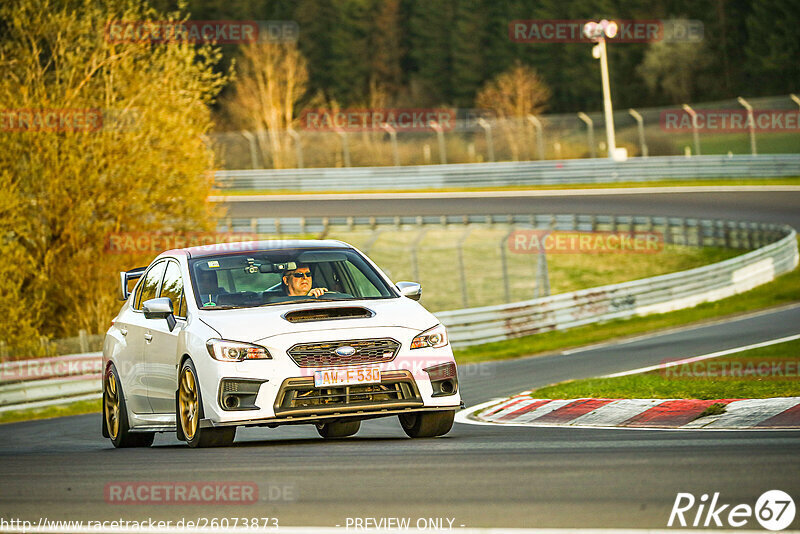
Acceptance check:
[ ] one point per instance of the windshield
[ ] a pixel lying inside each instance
(264, 278)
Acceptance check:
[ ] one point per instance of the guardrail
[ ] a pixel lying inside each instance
(49, 381)
(43, 382)
(571, 171)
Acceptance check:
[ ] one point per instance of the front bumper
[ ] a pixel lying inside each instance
(279, 391)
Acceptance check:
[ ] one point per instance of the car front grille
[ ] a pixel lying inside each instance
(324, 354)
(299, 396)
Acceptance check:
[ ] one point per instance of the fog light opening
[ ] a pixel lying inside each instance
(447, 387)
(231, 401)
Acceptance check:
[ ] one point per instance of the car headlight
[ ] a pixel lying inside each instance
(433, 337)
(234, 351)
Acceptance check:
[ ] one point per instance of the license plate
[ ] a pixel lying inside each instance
(346, 377)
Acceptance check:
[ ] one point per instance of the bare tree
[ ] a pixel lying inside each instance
(513, 95)
(271, 79)
(517, 92)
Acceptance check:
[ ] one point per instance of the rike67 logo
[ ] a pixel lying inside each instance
(774, 510)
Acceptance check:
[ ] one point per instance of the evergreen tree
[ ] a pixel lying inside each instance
(469, 27)
(430, 53)
(773, 47)
(386, 46)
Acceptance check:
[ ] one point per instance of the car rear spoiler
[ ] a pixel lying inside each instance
(127, 276)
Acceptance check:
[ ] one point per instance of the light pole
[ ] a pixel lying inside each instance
(598, 32)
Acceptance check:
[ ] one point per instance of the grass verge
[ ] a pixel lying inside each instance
(754, 374)
(46, 412)
(784, 290)
(792, 180)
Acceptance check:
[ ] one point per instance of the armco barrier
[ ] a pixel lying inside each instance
(48, 381)
(571, 171)
(34, 383)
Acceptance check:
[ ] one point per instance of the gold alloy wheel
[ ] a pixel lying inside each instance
(111, 406)
(187, 401)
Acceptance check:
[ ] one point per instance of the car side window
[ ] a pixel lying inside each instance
(172, 287)
(148, 289)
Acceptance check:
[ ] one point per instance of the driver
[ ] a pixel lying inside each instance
(297, 283)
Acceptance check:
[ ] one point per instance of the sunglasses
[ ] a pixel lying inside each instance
(302, 275)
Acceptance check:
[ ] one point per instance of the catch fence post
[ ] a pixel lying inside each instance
(461, 241)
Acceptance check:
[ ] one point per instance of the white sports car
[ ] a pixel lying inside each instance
(272, 333)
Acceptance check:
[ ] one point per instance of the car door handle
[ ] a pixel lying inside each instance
(123, 331)
(148, 338)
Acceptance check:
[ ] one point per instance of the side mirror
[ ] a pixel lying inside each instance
(160, 308)
(411, 290)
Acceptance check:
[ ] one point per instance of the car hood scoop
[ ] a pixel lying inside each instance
(328, 314)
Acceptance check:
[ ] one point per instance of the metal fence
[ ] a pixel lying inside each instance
(417, 247)
(477, 175)
(478, 136)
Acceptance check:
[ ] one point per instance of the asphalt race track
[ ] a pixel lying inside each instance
(476, 475)
(747, 205)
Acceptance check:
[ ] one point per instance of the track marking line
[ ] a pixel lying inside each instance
(680, 329)
(703, 357)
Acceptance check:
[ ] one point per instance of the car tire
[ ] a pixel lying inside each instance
(339, 429)
(189, 413)
(427, 424)
(115, 415)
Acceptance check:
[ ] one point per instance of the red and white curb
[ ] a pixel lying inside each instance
(523, 410)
